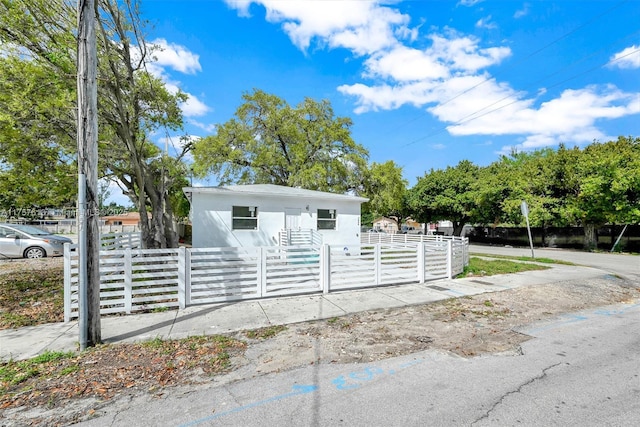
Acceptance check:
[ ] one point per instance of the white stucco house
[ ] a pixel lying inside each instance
(272, 215)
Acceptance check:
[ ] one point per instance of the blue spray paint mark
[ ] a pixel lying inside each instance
(297, 390)
(608, 313)
(367, 374)
(350, 381)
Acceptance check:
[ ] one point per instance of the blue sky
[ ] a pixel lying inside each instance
(427, 83)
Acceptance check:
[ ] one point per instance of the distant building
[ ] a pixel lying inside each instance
(388, 225)
(124, 219)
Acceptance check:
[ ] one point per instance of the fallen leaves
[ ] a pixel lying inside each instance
(105, 371)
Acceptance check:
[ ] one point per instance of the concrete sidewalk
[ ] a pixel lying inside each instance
(27, 342)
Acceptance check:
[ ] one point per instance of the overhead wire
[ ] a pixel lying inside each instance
(524, 59)
(470, 117)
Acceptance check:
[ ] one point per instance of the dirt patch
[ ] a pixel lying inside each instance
(31, 292)
(467, 326)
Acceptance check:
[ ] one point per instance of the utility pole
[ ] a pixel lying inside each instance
(88, 231)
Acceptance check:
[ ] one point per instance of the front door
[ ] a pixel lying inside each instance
(292, 218)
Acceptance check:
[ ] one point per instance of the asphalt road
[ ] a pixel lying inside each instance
(580, 369)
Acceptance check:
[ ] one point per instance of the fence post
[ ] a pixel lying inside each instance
(449, 259)
(325, 268)
(262, 272)
(377, 260)
(67, 282)
(128, 281)
(182, 278)
(421, 263)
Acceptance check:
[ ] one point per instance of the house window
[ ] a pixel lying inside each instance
(327, 219)
(245, 218)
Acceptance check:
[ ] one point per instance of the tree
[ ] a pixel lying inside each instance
(386, 190)
(541, 178)
(446, 195)
(607, 187)
(271, 142)
(590, 187)
(132, 103)
(35, 170)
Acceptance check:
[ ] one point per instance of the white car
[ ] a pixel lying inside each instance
(407, 229)
(26, 241)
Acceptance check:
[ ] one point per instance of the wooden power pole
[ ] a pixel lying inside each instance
(88, 231)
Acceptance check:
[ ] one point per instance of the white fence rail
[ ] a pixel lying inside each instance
(120, 240)
(134, 280)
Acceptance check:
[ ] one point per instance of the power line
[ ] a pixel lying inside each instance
(469, 117)
(526, 58)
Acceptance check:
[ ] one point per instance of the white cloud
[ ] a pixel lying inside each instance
(468, 2)
(446, 72)
(486, 23)
(522, 12)
(361, 26)
(570, 114)
(628, 58)
(193, 107)
(570, 118)
(464, 53)
(174, 56)
(207, 127)
(405, 64)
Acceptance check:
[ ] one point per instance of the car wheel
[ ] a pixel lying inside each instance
(35, 252)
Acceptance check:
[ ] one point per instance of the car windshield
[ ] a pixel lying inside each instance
(28, 229)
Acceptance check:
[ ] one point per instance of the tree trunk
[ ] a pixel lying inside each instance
(457, 227)
(590, 237)
(159, 230)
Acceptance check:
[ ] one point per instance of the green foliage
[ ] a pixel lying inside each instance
(447, 194)
(484, 267)
(269, 141)
(608, 184)
(265, 333)
(542, 178)
(36, 164)
(526, 258)
(386, 190)
(38, 101)
(16, 372)
(587, 187)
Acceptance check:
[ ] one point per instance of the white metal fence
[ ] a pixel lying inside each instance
(133, 280)
(120, 240)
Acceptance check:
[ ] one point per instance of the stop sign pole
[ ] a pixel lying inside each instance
(525, 211)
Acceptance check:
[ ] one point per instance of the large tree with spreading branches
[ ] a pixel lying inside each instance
(132, 102)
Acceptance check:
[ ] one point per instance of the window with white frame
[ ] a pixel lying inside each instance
(327, 219)
(245, 218)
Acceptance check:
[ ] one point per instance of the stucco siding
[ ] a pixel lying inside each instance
(212, 219)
